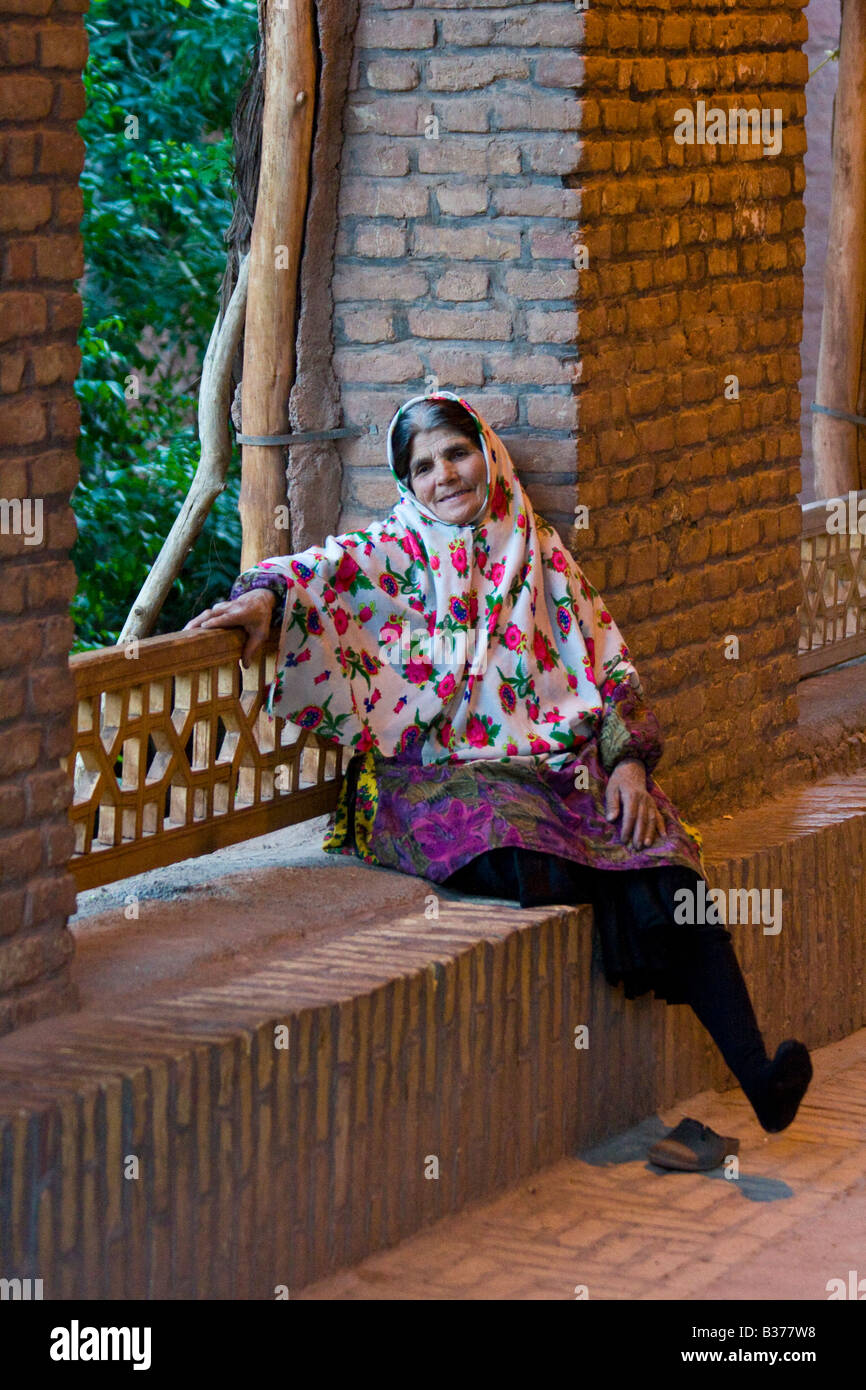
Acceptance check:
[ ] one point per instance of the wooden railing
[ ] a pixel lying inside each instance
(174, 755)
(833, 603)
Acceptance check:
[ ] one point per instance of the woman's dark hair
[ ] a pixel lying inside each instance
(428, 415)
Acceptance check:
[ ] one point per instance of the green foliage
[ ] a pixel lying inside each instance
(161, 84)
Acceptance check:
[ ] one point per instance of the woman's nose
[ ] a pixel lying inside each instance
(445, 470)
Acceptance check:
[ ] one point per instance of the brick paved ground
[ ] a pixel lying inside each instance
(607, 1219)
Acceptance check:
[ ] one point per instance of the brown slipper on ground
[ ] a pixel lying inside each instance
(692, 1148)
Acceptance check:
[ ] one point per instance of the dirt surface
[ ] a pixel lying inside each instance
(203, 921)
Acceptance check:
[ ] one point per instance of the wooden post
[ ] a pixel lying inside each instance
(834, 442)
(213, 464)
(275, 254)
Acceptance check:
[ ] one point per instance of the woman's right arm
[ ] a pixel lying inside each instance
(253, 610)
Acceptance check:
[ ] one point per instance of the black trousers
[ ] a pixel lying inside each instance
(643, 947)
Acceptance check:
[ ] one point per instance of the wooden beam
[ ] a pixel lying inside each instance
(275, 255)
(835, 442)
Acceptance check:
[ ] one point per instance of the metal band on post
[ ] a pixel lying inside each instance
(837, 414)
(304, 437)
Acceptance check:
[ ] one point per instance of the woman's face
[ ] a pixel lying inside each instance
(448, 474)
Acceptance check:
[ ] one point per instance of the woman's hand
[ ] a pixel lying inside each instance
(253, 611)
(627, 792)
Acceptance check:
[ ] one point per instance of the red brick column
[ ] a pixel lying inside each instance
(454, 249)
(43, 48)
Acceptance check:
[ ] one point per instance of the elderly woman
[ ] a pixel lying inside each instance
(502, 745)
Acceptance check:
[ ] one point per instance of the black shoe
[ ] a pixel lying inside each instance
(776, 1098)
(692, 1148)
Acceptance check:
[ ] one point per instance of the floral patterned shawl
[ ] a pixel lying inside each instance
(473, 641)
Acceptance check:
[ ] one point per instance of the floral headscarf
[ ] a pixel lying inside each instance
(471, 641)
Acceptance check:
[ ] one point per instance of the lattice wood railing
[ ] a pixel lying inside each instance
(833, 604)
(175, 756)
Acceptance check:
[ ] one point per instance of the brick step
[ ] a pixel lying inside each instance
(413, 1045)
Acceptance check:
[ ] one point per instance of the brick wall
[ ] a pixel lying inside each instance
(42, 50)
(455, 260)
(696, 255)
(482, 142)
(454, 249)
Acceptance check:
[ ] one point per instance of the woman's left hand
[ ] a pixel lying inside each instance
(627, 793)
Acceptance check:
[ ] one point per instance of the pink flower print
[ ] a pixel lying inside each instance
(417, 604)
(459, 609)
(476, 732)
(366, 613)
(314, 623)
(389, 632)
(418, 671)
(446, 687)
(434, 562)
(303, 572)
(513, 637)
(431, 624)
(409, 542)
(329, 594)
(445, 733)
(552, 716)
(511, 748)
(459, 558)
(365, 742)
(498, 502)
(542, 651)
(558, 561)
(411, 737)
(539, 745)
(590, 649)
(493, 616)
(605, 618)
(497, 573)
(521, 521)
(341, 620)
(507, 698)
(389, 584)
(473, 606)
(571, 680)
(346, 572)
(532, 709)
(310, 717)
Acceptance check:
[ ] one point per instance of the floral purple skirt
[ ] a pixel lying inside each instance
(431, 820)
(506, 830)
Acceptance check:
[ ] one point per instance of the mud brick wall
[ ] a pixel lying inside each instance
(696, 256)
(483, 143)
(43, 48)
